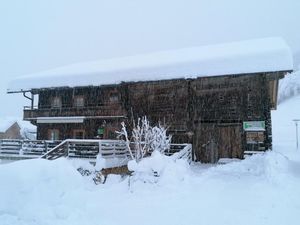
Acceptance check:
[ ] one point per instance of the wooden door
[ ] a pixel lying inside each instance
(78, 134)
(214, 141)
(205, 143)
(230, 141)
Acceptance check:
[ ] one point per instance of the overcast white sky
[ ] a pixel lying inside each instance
(38, 35)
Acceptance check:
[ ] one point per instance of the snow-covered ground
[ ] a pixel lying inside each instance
(259, 190)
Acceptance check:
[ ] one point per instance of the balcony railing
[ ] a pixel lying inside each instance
(48, 111)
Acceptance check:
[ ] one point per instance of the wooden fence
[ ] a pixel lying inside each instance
(114, 151)
(15, 149)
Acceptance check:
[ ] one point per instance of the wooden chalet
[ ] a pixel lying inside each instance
(219, 98)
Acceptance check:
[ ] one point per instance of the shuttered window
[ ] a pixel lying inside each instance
(78, 101)
(53, 134)
(56, 102)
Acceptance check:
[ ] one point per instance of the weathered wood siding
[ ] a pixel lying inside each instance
(162, 101)
(208, 111)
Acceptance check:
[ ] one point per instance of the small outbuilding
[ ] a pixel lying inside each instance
(11, 128)
(218, 98)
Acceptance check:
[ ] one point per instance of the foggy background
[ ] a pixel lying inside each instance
(38, 35)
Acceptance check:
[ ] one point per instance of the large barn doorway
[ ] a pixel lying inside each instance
(215, 141)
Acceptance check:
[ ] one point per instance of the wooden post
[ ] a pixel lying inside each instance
(114, 149)
(68, 149)
(45, 146)
(100, 150)
(297, 133)
(22, 147)
(32, 101)
(296, 124)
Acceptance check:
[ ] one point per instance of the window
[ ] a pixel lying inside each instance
(114, 97)
(53, 134)
(78, 134)
(56, 102)
(255, 137)
(79, 101)
(221, 97)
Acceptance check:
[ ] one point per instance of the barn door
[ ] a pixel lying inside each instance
(230, 141)
(214, 141)
(205, 143)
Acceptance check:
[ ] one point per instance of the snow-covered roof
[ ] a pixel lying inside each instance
(7, 122)
(251, 56)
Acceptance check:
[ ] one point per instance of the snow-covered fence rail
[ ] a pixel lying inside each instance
(88, 149)
(80, 149)
(10, 146)
(22, 149)
(181, 151)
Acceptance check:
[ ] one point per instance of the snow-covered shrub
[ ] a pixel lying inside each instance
(145, 139)
(158, 168)
(159, 140)
(27, 134)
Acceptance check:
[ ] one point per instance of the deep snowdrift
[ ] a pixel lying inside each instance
(258, 190)
(262, 189)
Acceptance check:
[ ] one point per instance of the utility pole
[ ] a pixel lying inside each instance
(296, 123)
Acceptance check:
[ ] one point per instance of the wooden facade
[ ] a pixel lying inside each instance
(208, 112)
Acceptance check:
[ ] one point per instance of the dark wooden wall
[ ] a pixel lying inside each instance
(219, 108)
(208, 111)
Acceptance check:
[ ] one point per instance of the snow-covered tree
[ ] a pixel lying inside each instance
(145, 139)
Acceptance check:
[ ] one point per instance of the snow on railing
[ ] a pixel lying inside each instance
(23, 149)
(79, 149)
(185, 152)
(88, 149)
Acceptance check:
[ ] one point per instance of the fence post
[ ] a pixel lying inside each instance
(297, 133)
(114, 144)
(22, 147)
(45, 146)
(296, 123)
(100, 149)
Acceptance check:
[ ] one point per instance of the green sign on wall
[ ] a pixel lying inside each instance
(100, 131)
(254, 125)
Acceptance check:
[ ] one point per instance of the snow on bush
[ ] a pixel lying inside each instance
(159, 168)
(145, 139)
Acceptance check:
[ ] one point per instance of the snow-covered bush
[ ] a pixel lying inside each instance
(145, 139)
(158, 168)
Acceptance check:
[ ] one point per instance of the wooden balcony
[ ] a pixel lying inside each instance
(89, 111)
